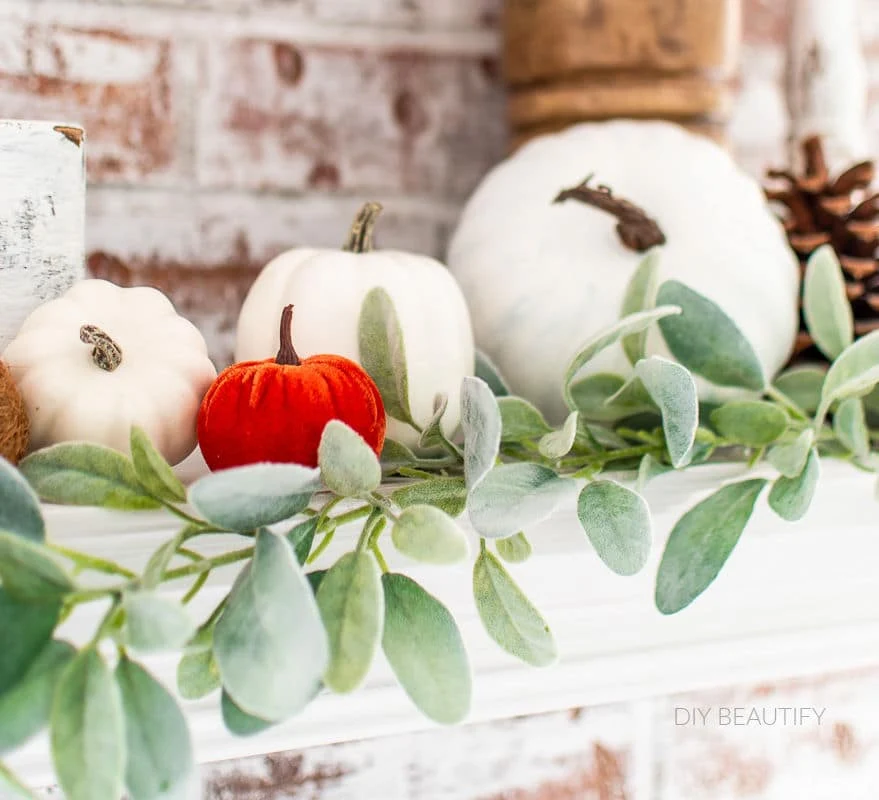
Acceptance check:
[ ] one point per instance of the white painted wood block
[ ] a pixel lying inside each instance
(42, 216)
(827, 79)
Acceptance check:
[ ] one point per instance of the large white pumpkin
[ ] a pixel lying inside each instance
(541, 277)
(327, 289)
(102, 358)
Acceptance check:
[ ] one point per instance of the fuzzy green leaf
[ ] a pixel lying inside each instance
(88, 730)
(752, 423)
(19, 505)
(617, 522)
(383, 353)
(197, 675)
(425, 650)
(352, 607)
(514, 549)
(803, 386)
(603, 397)
(348, 465)
(790, 459)
(790, 498)
(481, 423)
(706, 341)
(634, 323)
(238, 722)
(854, 373)
(673, 390)
(448, 494)
(30, 572)
(153, 472)
(155, 622)
(25, 629)
(301, 537)
(160, 763)
(558, 444)
(269, 666)
(850, 427)
(520, 420)
(25, 707)
(640, 296)
(508, 615)
(86, 475)
(486, 369)
(701, 542)
(395, 454)
(432, 435)
(515, 496)
(427, 534)
(246, 498)
(826, 307)
(648, 469)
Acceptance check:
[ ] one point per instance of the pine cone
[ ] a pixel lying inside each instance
(842, 212)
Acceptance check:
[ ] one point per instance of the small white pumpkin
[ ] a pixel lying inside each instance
(327, 288)
(102, 358)
(541, 277)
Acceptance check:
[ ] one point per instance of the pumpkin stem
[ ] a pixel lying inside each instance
(636, 229)
(106, 353)
(360, 237)
(287, 355)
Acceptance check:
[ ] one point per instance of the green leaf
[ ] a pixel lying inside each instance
(790, 498)
(19, 505)
(155, 622)
(348, 465)
(161, 559)
(269, 666)
(672, 389)
(617, 522)
(514, 549)
(238, 722)
(315, 579)
(648, 469)
(488, 371)
(153, 472)
(790, 459)
(481, 423)
(753, 423)
(706, 341)
(826, 307)
(160, 761)
(602, 397)
(448, 494)
(432, 435)
(425, 650)
(634, 323)
(74, 473)
(396, 455)
(701, 542)
(558, 444)
(425, 533)
(245, 498)
(850, 427)
(383, 354)
(515, 496)
(197, 675)
(30, 572)
(640, 296)
(88, 730)
(803, 386)
(853, 374)
(508, 616)
(301, 537)
(520, 420)
(25, 707)
(25, 629)
(352, 607)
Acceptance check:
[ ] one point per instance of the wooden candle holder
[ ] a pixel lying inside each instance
(569, 61)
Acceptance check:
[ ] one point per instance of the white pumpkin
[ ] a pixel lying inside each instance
(327, 289)
(542, 277)
(102, 358)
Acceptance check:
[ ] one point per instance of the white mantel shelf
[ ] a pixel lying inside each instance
(794, 599)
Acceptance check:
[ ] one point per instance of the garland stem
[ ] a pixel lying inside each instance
(92, 563)
(206, 565)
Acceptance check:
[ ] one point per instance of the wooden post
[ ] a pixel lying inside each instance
(42, 217)
(827, 80)
(568, 61)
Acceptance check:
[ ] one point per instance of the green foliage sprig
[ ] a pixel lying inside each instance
(287, 631)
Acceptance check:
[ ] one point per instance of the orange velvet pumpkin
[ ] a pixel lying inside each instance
(276, 410)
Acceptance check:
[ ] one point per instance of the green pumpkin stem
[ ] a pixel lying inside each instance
(106, 353)
(360, 239)
(287, 355)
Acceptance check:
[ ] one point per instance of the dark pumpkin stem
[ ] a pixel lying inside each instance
(637, 230)
(106, 353)
(287, 355)
(360, 239)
